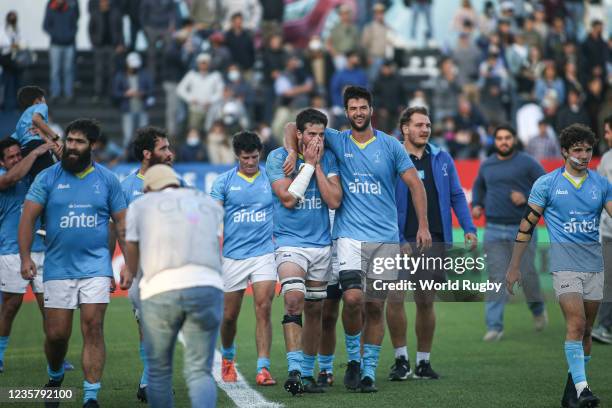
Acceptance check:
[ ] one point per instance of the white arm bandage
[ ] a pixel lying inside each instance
(300, 183)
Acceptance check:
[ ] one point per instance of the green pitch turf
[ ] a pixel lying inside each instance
(525, 369)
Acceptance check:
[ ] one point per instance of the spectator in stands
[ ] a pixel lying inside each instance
(206, 13)
(158, 21)
(465, 145)
(265, 135)
(492, 100)
(193, 149)
(466, 56)
(375, 41)
(595, 102)
(321, 65)
(421, 7)
(292, 88)
(555, 40)
(493, 70)
(200, 89)
(517, 56)
(528, 117)
(550, 85)
(571, 55)
(61, 19)
(468, 116)
(241, 89)
(250, 10)
(389, 94)
(595, 50)
(11, 44)
(572, 112)
(533, 69)
(133, 91)
(465, 13)
(273, 59)
(540, 24)
(545, 144)
(487, 21)
(220, 55)
(231, 111)
(131, 9)
(352, 74)
(532, 37)
(575, 17)
(106, 152)
(273, 12)
(446, 91)
(344, 37)
(173, 69)
(218, 144)
(570, 77)
(240, 43)
(106, 36)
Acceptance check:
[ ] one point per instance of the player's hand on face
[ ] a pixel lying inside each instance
(477, 212)
(289, 164)
(311, 153)
(471, 241)
(423, 239)
(28, 269)
(320, 150)
(517, 198)
(513, 275)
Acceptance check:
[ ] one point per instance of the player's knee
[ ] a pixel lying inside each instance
(350, 279)
(313, 307)
(263, 308)
(56, 335)
(576, 328)
(424, 304)
(10, 306)
(352, 299)
(374, 310)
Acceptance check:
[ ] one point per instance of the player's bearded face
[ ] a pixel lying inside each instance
(360, 119)
(75, 161)
(161, 154)
(504, 144)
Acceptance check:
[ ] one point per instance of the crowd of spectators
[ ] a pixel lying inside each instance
(226, 66)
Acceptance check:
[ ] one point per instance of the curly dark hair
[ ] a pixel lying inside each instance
(312, 116)
(145, 140)
(28, 94)
(90, 128)
(5, 144)
(356, 92)
(247, 142)
(576, 134)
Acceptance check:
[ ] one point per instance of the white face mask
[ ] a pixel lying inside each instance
(233, 75)
(193, 141)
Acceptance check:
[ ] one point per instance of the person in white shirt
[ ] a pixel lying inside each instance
(177, 231)
(200, 89)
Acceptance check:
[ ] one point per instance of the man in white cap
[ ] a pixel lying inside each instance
(133, 88)
(181, 287)
(200, 89)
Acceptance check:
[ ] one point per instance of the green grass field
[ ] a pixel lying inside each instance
(525, 369)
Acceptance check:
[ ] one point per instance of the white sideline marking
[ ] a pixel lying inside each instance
(240, 392)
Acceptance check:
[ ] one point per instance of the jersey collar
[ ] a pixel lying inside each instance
(248, 179)
(364, 144)
(578, 185)
(85, 172)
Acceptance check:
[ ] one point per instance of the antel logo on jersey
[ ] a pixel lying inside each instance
(363, 187)
(312, 203)
(249, 216)
(561, 192)
(63, 186)
(583, 226)
(82, 220)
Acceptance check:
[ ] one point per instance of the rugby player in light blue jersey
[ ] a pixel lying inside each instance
(78, 197)
(248, 252)
(151, 147)
(302, 241)
(14, 184)
(370, 162)
(571, 200)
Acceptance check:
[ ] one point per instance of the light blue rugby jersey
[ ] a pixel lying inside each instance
(22, 130)
(133, 186)
(572, 216)
(77, 212)
(369, 174)
(307, 224)
(11, 203)
(247, 223)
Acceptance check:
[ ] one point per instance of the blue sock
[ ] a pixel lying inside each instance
(353, 346)
(370, 360)
(229, 353)
(90, 391)
(56, 375)
(308, 363)
(3, 345)
(574, 353)
(144, 379)
(294, 360)
(263, 362)
(326, 363)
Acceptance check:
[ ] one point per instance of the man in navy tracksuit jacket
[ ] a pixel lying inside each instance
(439, 176)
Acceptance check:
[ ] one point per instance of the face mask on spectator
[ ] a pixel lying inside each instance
(233, 75)
(193, 141)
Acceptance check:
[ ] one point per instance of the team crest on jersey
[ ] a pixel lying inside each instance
(96, 187)
(594, 194)
(377, 157)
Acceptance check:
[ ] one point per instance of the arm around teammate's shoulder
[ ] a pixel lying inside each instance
(21, 169)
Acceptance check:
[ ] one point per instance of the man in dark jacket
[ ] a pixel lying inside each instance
(106, 36)
(240, 43)
(61, 18)
(444, 194)
(595, 49)
(158, 21)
